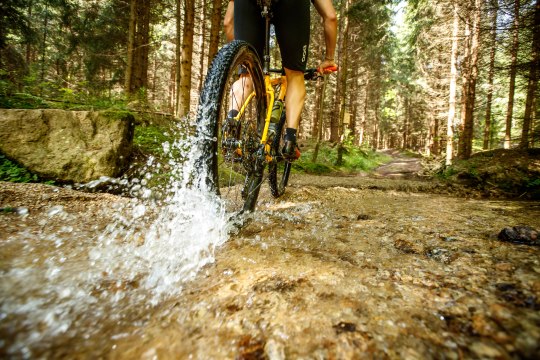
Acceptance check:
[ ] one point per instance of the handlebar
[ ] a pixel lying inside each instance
(314, 74)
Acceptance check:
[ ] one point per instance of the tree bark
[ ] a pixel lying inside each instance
(361, 135)
(178, 54)
(489, 99)
(465, 73)
(406, 121)
(138, 46)
(215, 29)
(202, 43)
(513, 71)
(533, 78)
(335, 117)
(187, 57)
(131, 44)
(468, 124)
(452, 95)
(320, 109)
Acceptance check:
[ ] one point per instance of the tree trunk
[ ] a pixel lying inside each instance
(406, 124)
(317, 116)
(344, 72)
(215, 29)
(335, 117)
(202, 45)
(178, 54)
(187, 57)
(29, 47)
(131, 44)
(452, 96)
(364, 115)
(468, 124)
(489, 99)
(320, 109)
(353, 103)
(172, 89)
(533, 78)
(44, 47)
(464, 83)
(513, 71)
(138, 47)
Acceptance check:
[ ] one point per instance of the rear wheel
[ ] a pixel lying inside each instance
(279, 168)
(230, 152)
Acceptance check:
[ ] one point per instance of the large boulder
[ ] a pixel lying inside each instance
(76, 146)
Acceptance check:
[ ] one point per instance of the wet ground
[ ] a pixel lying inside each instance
(338, 268)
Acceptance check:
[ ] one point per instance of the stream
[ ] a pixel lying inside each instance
(338, 268)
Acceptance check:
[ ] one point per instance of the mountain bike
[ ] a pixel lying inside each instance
(235, 149)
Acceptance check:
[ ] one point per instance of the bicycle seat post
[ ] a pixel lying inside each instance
(266, 57)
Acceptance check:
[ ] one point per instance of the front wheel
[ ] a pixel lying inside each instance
(229, 145)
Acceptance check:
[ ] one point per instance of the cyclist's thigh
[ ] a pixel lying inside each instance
(249, 24)
(291, 20)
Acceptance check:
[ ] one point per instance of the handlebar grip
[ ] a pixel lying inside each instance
(314, 74)
(330, 69)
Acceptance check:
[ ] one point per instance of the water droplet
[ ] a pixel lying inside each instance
(55, 210)
(22, 211)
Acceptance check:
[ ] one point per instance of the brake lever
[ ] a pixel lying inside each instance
(315, 74)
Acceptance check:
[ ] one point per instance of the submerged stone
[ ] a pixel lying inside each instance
(525, 235)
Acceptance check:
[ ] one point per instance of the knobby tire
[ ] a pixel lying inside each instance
(279, 168)
(235, 177)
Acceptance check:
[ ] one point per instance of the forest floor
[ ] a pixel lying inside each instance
(387, 265)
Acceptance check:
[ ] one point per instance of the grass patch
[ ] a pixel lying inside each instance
(151, 139)
(355, 159)
(511, 173)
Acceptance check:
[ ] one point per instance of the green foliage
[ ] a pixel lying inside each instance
(533, 183)
(10, 171)
(355, 159)
(153, 141)
(22, 101)
(150, 139)
(508, 172)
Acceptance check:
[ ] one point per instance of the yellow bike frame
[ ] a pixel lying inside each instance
(270, 99)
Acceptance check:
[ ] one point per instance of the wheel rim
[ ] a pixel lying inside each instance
(239, 140)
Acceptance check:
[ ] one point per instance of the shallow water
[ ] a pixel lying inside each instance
(324, 272)
(75, 264)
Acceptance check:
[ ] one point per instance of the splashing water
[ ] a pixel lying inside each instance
(70, 279)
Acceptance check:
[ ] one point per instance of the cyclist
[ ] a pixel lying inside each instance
(291, 20)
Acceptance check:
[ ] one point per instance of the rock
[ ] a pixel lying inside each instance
(500, 313)
(343, 327)
(483, 326)
(441, 255)
(73, 146)
(520, 235)
(274, 350)
(485, 351)
(507, 267)
(404, 245)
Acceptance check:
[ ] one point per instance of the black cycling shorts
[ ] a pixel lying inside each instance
(291, 21)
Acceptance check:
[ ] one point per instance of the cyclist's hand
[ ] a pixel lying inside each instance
(327, 67)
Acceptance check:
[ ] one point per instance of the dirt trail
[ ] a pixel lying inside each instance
(344, 268)
(401, 167)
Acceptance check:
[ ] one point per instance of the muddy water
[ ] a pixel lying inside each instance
(326, 272)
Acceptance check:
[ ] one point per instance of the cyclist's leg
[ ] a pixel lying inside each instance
(292, 21)
(248, 26)
(239, 92)
(296, 94)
